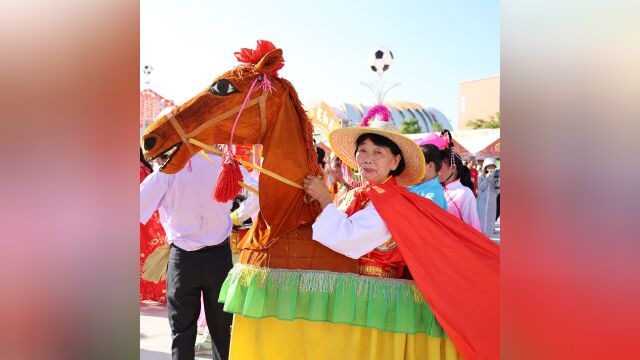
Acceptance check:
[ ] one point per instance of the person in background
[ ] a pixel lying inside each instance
(430, 187)
(321, 161)
(151, 237)
(336, 176)
(458, 187)
(472, 164)
(488, 188)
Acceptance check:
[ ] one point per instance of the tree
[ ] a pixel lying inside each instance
(492, 123)
(436, 127)
(409, 126)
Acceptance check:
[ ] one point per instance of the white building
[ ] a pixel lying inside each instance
(352, 113)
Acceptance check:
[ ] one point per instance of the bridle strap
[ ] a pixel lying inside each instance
(261, 100)
(225, 115)
(263, 116)
(180, 131)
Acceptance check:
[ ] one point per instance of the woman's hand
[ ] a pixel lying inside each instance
(317, 189)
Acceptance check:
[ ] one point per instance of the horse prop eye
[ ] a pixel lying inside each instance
(223, 87)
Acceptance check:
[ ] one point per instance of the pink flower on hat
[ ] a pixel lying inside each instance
(378, 112)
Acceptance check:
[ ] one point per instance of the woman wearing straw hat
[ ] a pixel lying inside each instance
(455, 268)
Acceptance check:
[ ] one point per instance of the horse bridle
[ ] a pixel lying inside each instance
(261, 101)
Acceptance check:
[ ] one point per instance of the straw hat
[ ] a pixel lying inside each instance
(343, 143)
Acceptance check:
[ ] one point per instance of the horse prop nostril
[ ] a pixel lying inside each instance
(149, 143)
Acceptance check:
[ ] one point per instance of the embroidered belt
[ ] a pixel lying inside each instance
(378, 271)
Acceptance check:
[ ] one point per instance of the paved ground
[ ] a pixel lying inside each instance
(155, 335)
(496, 237)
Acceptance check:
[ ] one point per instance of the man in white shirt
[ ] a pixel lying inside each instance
(197, 229)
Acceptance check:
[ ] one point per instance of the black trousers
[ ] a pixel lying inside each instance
(190, 274)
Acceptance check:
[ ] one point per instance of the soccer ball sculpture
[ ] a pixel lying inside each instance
(379, 59)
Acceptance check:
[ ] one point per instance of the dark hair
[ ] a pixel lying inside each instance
(335, 160)
(432, 154)
(380, 140)
(144, 161)
(321, 154)
(464, 174)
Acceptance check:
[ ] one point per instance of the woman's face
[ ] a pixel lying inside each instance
(375, 162)
(445, 172)
(335, 169)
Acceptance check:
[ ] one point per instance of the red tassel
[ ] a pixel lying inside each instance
(227, 187)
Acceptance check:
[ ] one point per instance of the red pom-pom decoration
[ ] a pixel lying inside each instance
(227, 186)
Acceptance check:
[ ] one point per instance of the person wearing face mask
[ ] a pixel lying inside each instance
(388, 228)
(488, 188)
(458, 187)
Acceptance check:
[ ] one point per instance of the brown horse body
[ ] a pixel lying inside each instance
(281, 237)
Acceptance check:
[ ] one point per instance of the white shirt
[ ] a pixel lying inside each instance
(190, 216)
(250, 206)
(352, 236)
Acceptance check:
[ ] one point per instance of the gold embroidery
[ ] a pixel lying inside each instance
(388, 245)
(347, 200)
(376, 271)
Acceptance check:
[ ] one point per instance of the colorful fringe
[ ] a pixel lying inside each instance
(392, 305)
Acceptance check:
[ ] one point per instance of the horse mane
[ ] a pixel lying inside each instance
(307, 130)
(281, 235)
(242, 72)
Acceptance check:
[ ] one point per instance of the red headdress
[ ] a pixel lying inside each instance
(250, 56)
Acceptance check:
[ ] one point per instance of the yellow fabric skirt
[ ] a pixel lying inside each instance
(270, 338)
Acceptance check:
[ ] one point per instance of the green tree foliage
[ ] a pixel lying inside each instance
(437, 127)
(409, 126)
(492, 123)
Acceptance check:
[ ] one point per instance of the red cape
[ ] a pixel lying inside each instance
(456, 268)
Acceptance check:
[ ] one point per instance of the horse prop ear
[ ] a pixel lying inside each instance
(270, 63)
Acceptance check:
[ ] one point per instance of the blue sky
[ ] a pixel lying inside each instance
(436, 45)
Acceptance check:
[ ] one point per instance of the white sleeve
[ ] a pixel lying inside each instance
(352, 236)
(469, 211)
(251, 205)
(152, 191)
